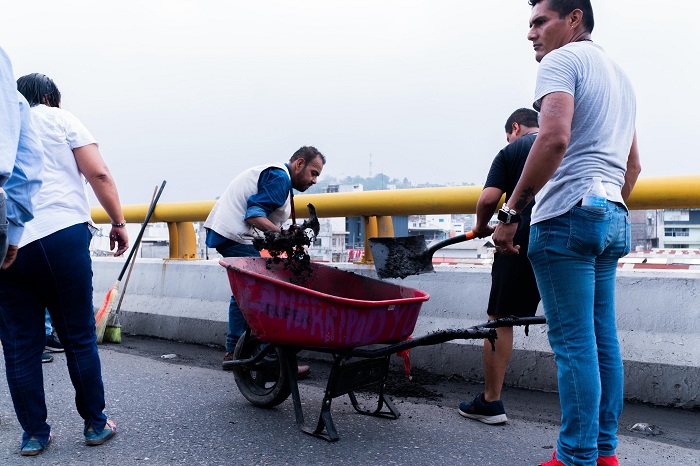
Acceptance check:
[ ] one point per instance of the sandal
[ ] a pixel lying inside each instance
(33, 447)
(92, 438)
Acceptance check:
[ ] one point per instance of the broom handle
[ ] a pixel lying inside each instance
(143, 227)
(133, 261)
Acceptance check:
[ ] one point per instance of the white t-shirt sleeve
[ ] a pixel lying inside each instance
(558, 72)
(77, 134)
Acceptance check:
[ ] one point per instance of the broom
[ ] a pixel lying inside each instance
(103, 312)
(113, 330)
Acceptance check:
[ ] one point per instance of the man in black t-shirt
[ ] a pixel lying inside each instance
(513, 286)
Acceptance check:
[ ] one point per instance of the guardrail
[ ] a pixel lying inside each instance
(377, 207)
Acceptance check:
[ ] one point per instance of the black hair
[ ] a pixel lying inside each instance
(524, 117)
(38, 89)
(308, 153)
(564, 7)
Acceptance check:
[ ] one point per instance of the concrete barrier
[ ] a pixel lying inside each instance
(658, 321)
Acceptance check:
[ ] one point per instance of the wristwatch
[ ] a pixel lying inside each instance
(507, 215)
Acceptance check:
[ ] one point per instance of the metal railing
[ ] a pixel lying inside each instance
(377, 207)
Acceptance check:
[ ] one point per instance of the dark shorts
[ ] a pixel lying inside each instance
(513, 287)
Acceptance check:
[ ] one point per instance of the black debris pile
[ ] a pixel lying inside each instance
(288, 247)
(418, 386)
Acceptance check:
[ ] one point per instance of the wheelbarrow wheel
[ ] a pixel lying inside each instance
(265, 384)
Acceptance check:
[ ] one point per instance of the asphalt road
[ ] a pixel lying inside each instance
(186, 410)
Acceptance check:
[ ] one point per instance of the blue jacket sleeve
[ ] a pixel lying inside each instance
(26, 175)
(9, 118)
(274, 186)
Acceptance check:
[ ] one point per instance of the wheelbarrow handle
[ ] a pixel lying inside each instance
(512, 321)
(485, 330)
(434, 338)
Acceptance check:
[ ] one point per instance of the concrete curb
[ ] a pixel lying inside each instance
(658, 322)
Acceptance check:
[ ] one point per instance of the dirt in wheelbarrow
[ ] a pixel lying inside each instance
(289, 248)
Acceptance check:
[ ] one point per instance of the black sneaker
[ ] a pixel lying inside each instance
(53, 345)
(46, 357)
(486, 412)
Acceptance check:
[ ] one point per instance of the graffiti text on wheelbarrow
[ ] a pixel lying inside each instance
(328, 322)
(293, 316)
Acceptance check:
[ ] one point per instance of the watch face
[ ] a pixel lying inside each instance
(503, 217)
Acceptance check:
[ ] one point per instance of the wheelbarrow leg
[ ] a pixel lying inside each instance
(325, 428)
(376, 371)
(391, 413)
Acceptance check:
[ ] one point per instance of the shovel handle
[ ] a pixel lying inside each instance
(455, 239)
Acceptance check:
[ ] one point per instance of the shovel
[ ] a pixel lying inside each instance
(409, 255)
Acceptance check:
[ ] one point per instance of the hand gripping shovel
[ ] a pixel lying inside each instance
(409, 255)
(111, 297)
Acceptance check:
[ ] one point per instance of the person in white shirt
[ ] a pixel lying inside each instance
(53, 271)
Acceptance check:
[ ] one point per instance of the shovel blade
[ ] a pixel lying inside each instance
(400, 257)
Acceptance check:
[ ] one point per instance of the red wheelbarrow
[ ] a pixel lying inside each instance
(360, 321)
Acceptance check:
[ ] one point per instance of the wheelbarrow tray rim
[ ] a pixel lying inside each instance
(238, 265)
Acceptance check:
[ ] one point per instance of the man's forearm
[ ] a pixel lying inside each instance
(263, 224)
(106, 193)
(539, 168)
(634, 168)
(485, 207)
(548, 149)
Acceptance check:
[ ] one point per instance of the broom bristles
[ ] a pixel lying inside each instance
(113, 330)
(103, 313)
(113, 334)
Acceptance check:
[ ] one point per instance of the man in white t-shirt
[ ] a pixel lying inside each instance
(587, 131)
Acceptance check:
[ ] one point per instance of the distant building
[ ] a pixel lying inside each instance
(679, 229)
(154, 242)
(329, 244)
(665, 229)
(643, 230)
(432, 227)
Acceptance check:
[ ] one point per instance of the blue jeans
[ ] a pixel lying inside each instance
(575, 258)
(54, 272)
(236, 322)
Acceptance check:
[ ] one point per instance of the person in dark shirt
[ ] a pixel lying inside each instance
(513, 286)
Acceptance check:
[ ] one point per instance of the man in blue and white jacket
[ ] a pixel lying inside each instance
(256, 201)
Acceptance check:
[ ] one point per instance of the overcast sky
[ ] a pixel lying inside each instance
(196, 91)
